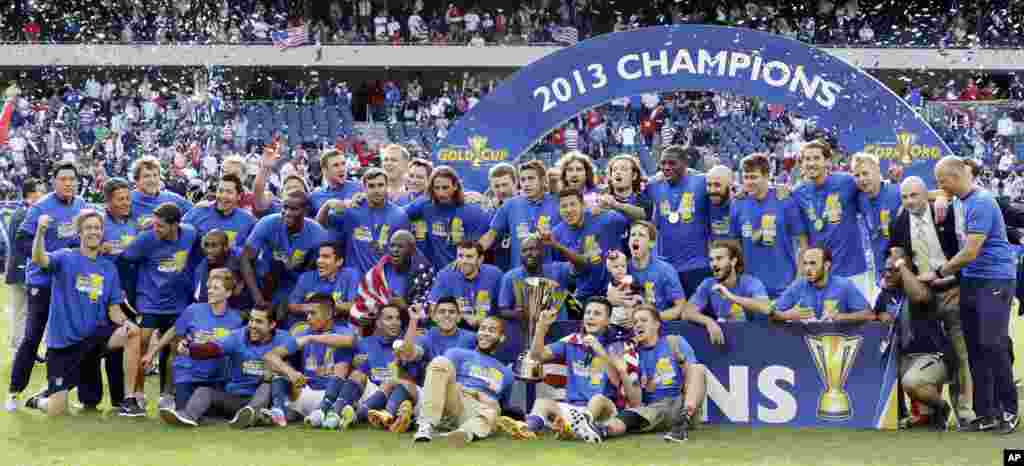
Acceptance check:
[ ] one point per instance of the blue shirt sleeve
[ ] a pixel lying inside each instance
(285, 340)
(260, 234)
(855, 300)
(756, 287)
(701, 296)
(795, 225)
(557, 350)
(735, 231)
(138, 248)
(789, 298)
(981, 217)
(507, 297)
(687, 350)
(500, 221)
(298, 294)
(673, 289)
(182, 324)
(31, 221)
(350, 284)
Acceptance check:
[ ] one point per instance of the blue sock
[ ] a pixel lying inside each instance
(331, 393)
(534, 423)
(279, 392)
(398, 395)
(349, 395)
(376, 401)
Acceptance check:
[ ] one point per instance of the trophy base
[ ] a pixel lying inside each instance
(834, 407)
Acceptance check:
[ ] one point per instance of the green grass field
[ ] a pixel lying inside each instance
(29, 438)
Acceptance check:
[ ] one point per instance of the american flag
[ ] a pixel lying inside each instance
(291, 37)
(567, 35)
(374, 291)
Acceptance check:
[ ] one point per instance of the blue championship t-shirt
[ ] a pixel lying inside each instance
(983, 217)
(681, 215)
(198, 324)
(287, 252)
(477, 297)
(366, 233)
(660, 283)
(661, 371)
(519, 217)
(245, 359)
(440, 228)
(143, 206)
(236, 225)
(165, 275)
(767, 230)
(477, 371)
(593, 239)
(716, 306)
(588, 373)
(839, 295)
(318, 359)
(830, 217)
(60, 234)
(82, 291)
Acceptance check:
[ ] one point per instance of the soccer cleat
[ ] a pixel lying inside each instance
(459, 438)
(130, 408)
(1009, 424)
(980, 424)
(379, 418)
(939, 418)
(332, 421)
(11, 405)
(174, 418)
(348, 417)
(583, 427)
(278, 418)
(424, 433)
(680, 431)
(35, 401)
(244, 418)
(517, 429)
(166, 401)
(401, 423)
(315, 419)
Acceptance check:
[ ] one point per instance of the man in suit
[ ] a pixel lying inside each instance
(17, 258)
(933, 242)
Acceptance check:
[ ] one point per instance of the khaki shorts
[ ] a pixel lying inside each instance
(473, 405)
(661, 414)
(923, 369)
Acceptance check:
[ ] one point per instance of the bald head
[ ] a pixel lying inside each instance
(914, 195)
(719, 181)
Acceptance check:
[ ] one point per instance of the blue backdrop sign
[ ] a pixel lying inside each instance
(801, 375)
(860, 111)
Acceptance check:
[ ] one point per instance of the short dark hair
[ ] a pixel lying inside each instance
(683, 153)
(65, 165)
(600, 300)
(652, 230)
(233, 178)
(448, 300)
(826, 252)
(168, 212)
(375, 173)
(216, 233)
(470, 244)
(756, 163)
(339, 250)
(322, 299)
(113, 185)
(734, 252)
(30, 186)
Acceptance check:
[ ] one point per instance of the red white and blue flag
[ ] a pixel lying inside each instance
(567, 35)
(291, 37)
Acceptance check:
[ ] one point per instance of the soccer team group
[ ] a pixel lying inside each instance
(405, 303)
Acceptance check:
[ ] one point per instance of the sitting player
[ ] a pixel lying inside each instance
(671, 379)
(594, 377)
(326, 346)
(466, 389)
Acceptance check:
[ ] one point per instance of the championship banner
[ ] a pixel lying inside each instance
(801, 375)
(857, 109)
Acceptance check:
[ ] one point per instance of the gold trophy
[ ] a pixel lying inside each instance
(533, 295)
(834, 355)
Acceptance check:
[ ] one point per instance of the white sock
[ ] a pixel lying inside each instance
(42, 403)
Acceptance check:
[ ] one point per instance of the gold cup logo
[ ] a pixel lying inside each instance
(834, 355)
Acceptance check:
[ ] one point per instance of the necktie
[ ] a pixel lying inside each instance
(906, 333)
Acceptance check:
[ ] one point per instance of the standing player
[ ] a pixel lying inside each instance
(879, 202)
(681, 217)
(165, 279)
(335, 186)
(474, 285)
(466, 388)
(149, 192)
(365, 225)
(587, 237)
(520, 216)
(447, 219)
(719, 180)
(86, 293)
(225, 215)
(61, 206)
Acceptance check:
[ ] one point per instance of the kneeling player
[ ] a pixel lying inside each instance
(465, 389)
(326, 346)
(86, 293)
(671, 379)
(594, 377)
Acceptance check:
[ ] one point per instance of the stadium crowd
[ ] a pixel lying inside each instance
(395, 298)
(854, 22)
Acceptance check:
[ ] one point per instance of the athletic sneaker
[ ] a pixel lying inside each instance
(35, 401)
(980, 424)
(1008, 424)
(348, 417)
(403, 420)
(278, 418)
(517, 429)
(244, 418)
(583, 426)
(940, 416)
(315, 419)
(332, 421)
(379, 418)
(174, 418)
(165, 402)
(562, 429)
(424, 433)
(459, 438)
(11, 405)
(130, 408)
(680, 431)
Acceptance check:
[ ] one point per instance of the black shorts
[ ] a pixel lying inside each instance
(64, 365)
(161, 322)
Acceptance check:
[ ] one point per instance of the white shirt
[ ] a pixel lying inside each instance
(380, 27)
(628, 135)
(1006, 162)
(924, 240)
(472, 22)
(393, 28)
(416, 27)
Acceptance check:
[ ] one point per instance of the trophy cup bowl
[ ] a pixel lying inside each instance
(834, 356)
(534, 295)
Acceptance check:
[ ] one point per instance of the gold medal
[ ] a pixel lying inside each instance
(673, 217)
(819, 224)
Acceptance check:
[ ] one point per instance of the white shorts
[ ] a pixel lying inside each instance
(309, 400)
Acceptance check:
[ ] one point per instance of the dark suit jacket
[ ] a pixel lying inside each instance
(947, 233)
(17, 255)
